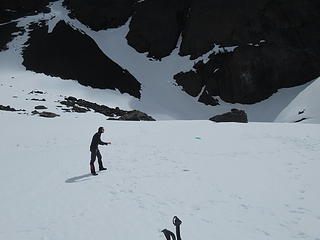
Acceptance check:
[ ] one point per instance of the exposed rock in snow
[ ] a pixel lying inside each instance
(48, 114)
(70, 54)
(39, 107)
(8, 32)
(251, 74)
(10, 109)
(136, 116)
(156, 26)
(114, 113)
(234, 116)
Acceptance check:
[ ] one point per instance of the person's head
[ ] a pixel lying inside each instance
(100, 129)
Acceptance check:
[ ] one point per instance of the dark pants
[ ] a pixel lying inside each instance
(94, 154)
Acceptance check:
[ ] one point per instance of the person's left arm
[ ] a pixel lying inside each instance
(102, 142)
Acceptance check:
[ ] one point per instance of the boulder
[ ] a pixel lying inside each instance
(40, 107)
(136, 115)
(38, 99)
(48, 114)
(234, 116)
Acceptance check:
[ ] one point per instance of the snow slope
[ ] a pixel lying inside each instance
(224, 181)
(305, 107)
(161, 98)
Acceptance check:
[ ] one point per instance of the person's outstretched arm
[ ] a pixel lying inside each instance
(102, 142)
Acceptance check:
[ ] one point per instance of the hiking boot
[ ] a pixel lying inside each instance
(94, 174)
(102, 168)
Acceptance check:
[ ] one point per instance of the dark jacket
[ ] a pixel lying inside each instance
(96, 140)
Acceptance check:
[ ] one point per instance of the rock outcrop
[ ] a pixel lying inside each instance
(251, 73)
(234, 116)
(8, 32)
(156, 26)
(70, 54)
(98, 14)
(135, 115)
(113, 113)
(277, 43)
(45, 114)
(10, 109)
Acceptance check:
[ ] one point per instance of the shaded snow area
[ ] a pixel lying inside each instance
(305, 107)
(224, 181)
(160, 96)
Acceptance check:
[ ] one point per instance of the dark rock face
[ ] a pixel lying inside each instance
(234, 116)
(191, 82)
(292, 23)
(13, 9)
(156, 25)
(252, 73)
(7, 33)
(279, 44)
(70, 54)
(101, 14)
(223, 22)
(207, 99)
(232, 22)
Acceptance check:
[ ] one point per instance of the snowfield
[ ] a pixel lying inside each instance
(227, 181)
(305, 107)
(224, 181)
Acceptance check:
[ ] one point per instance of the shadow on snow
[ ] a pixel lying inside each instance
(80, 178)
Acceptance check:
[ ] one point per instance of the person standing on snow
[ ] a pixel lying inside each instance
(96, 140)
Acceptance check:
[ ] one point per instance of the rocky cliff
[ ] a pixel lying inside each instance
(276, 42)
